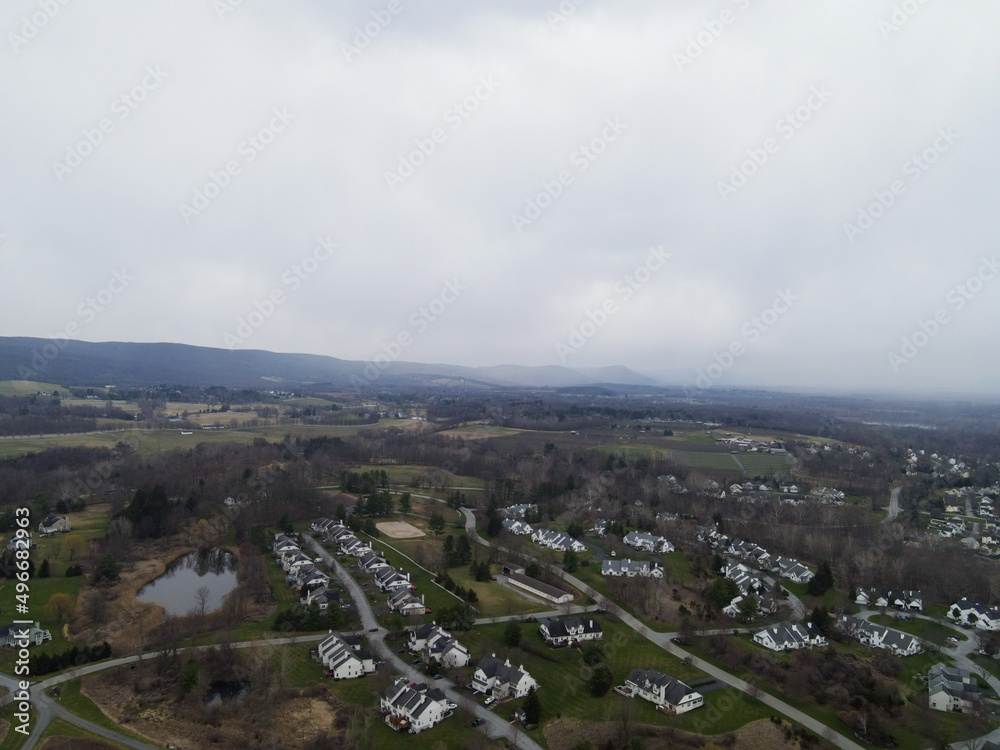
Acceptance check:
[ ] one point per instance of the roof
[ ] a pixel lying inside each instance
(538, 585)
(583, 625)
(673, 690)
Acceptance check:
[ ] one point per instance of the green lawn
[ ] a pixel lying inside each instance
(563, 689)
(73, 700)
(61, 728)
(765, 464)
(13, 739)
(452, 733)
(925, 629)
(494, 600)
(28, 388)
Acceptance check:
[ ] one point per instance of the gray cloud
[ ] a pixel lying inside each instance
(689, 123)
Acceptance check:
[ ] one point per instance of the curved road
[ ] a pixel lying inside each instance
(496, 727)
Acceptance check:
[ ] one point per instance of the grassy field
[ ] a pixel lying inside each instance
(405, 473)
(148, 442)
(28, 388)
(765, 464)
(704, 460)
(563, 689)
(494, 600)
(60, 728)
(14, 740)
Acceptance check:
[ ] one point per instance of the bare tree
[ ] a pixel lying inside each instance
(201, 597)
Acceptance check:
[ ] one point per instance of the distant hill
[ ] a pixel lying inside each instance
(131, 364)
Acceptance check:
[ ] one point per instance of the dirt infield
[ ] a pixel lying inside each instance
(399, 530)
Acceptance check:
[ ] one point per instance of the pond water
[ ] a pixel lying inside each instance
(179, 589)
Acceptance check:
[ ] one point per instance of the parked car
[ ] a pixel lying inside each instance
(452, 705)
(402, 650)
(439, 677)
(478, 721)
(372, 630)
(489, 701)
(415, 661)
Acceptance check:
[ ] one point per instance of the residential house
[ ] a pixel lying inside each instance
(322, 597)
(18, 636)
(407, 709)
(786, 636)
(664, 691)
(559, 541)
(951, 689)
(500, 679)
(311, 577)
(631, 568)
(440, 646)
(570, 631)
(372, 562)
(966, 612)
(791, 569)
(516, 526)
(51, 524)
(344, 657)
(518, 511)
(406, 603)
(283, 544)
(879, 636)
(390, 579)
(647, 542)
(912, 601)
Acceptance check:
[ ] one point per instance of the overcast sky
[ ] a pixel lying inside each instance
(496, 175)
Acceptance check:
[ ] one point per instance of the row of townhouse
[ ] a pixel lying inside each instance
(785, 567)
(413, 708)
(951, 689)
(631, 568)
(982, 617)
(519, 511)
(905, 599)
(667, 693)
(559, 541)
(517, 527)
(646, 542)
(345, 657)
(433, 642)
(787, 636)
(300, 569)
(879, 636)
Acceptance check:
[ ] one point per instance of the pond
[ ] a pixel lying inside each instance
(206, 574)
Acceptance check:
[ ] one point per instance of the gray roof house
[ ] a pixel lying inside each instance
(668, 693)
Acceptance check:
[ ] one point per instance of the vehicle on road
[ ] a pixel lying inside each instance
(479, 721)
(439, 677)
(372, 630)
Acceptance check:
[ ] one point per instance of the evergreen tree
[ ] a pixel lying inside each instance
(532, 708)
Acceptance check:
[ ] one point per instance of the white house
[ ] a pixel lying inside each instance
(559, 541)
(631, 568)
(389, 579)
(966, 612)
(889, 599)
(951, 689)
(322, 597)
(879, 636)
(516, 526)
(663, 690)
(345, 659)
(500, 679)
(570, 631)
(786, 636)
(17, 636)
(640, 540)
(518, 511)
(441, 647)
(406, 709)
(52, 524)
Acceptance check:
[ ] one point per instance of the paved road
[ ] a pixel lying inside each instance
(495, 726)
(894, 509)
